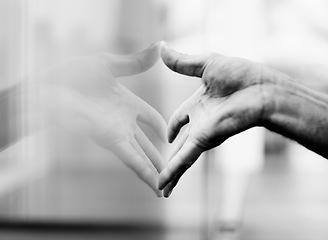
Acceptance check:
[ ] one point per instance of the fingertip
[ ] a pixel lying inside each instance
(162, 180)
(171, 136)
(158, 193)
(167, 190)
(176, 122)
(168, 55)
(167, 194)
(161, 186)
(163, 46)
(163, 132)
(156, 44)
(190, 65)
(150, 55)
(156, 47)
(163, 43)
(153, 185)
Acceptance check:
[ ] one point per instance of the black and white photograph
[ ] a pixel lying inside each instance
(163, 119)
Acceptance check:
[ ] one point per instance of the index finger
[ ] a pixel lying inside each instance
(131, 158)
(150, 150)
(178, 119)
(182, 161)
(151, 117)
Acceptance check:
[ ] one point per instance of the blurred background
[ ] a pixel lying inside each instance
(255, 186)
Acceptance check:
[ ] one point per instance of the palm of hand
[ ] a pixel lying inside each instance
(218, 109)
(229, 101)
(223, 76)
(85, 94)
(211, 120)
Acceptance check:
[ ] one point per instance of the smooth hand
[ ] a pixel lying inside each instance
(89, 101)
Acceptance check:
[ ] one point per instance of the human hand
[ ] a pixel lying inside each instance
(85, 93)
(230, 100)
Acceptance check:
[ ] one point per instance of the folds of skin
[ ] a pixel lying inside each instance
(236, 95)
(92, 103)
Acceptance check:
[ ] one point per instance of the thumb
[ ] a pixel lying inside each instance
(126, 65)
(185, 64)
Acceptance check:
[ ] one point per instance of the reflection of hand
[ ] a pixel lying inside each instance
(236, 95)
(90, 101)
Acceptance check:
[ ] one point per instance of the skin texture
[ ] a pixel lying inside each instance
(236, 95)
(83, 96)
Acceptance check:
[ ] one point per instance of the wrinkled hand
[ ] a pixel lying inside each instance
(85, 94)
(229, 101)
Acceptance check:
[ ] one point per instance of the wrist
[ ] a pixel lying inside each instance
(274, 93)
(297, 112)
